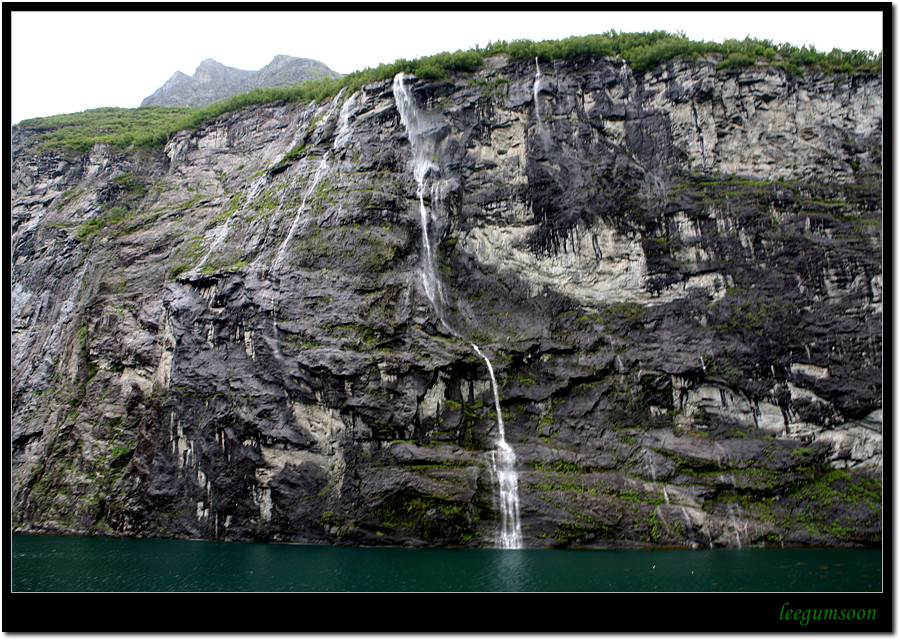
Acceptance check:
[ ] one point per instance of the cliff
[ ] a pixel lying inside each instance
(214, 81)
(269, 330)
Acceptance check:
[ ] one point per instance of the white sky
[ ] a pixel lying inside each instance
(63, 62)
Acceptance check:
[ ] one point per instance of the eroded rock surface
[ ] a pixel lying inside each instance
(677, 276)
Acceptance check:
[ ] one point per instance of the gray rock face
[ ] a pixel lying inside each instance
(213, 81)
(677, 276)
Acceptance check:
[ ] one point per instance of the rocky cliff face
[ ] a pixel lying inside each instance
(214, 81)
(676, 275)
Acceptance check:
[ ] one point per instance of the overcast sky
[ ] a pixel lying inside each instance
(63, 62)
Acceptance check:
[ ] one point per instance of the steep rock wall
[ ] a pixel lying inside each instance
(677, 276)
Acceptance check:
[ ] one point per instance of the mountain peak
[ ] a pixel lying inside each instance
(214, 81)
(209, 63)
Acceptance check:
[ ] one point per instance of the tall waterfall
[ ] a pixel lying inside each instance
(423, 168)
(503, 461)
(503, 458)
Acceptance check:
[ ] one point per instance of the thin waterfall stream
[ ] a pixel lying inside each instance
(537, 100)
(298, 222)
(300, 210)
(503, 458)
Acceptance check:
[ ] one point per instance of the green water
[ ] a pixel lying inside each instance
(91, 564)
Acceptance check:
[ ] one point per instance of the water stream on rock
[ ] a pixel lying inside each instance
(315, 181)
(295, 225)
(731, 511)
(217, 243)
(222, 235)
(537, 101)
(343, 131)
(503, 458)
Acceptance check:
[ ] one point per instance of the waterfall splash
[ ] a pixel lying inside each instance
(503, 458)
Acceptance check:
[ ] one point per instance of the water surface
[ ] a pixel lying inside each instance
(91, 564)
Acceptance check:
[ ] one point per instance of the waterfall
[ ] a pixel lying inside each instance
(260, 182)
(343, 131)
(222, 235)
(274, 343)
(503, 458)
(273, 340)
(537, 101)
(733, 516)
(423, 168)
(503, 461)
(687, 519)
(734, 526)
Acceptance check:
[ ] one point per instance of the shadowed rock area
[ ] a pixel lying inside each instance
(677, 275)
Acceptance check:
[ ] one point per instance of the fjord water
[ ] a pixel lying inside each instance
(52, 563)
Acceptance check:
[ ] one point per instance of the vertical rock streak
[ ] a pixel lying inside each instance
(503, 458)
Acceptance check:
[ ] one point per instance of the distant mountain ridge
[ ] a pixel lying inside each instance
(214, 81)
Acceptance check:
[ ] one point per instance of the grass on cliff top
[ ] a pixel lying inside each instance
(144, 127)
(148, 127)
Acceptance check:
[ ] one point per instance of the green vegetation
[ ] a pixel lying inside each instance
(437, 519)
(144, 127)
(128, 182)
(560, 466)
(649, 49)
(148, 127)
(95, 225)
(292, 155)
(360, 248)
